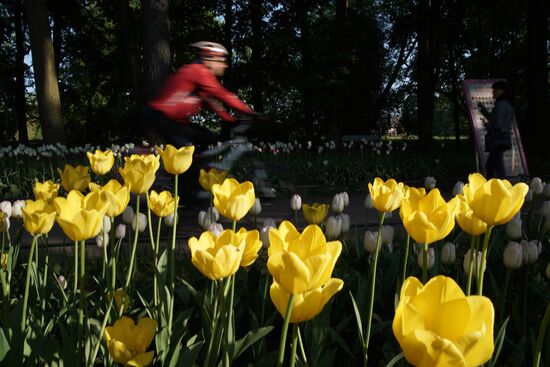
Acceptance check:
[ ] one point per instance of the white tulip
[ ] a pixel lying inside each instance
(16, 208)
(368, 202)
(128, 215)
(429, 182)
(5, 206)
(458, 188)
(169, 220)
(100, 240)
(62, 281)
(215, 228)
(204, 220)
(264, 232)
(120, 231)
(346, 224)
(106, 224)
(529, 195)
(256, 208)
(530, 251)
(431, 258)
(448, 253)
(346, 198)
(513, 227)
(546, 190)
(513, 255)
(545, 209)
(337, 203)
(296, 202)
(387, 235)
(369, 241)
(476, 259)
(333, 227)
(141, 222)
(536, 185)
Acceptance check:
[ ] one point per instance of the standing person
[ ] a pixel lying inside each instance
(498, 138)
(185, 92)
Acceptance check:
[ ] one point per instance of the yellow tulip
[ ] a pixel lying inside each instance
(80, 217)
(386, 196)
(74, 178)
(301, 262)
(101, 162)
(162, 204)
(428, 218)
(233, 199)
(4, 262)
(437, 325)
(217, 257)
(128, 342)
(38, 216)
(252, 246)
(316, 213)
(495, 201)
(3, 218)
(139, 172)
(306, 305)
(176, 161)
(122, 300)
(115, 195)
(211, 177)
(46, 191)
(467, 220)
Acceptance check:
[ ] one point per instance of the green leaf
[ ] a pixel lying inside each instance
(249, 339)
(4, 345)
(190, 354)
(499, 341)
(395, 359)
(358, 319)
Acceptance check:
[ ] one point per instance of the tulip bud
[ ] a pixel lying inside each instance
(100, 240)
(387, 235)
(296, 202)
(545, 209)
(448, 253)
(368, 202)
(345, 196)
(536, 185)
(369, 241)
(169, 220)
(429, 182)
(513, 227)
(546, 190)
(512, 255)
(62, 282)
(269, 222)
(476, 258)
(122, 300)
(529, 195)
(141, 222)
(431, 258)
(5, 206)
(345, 222)
(337, 203)
(458, 188)
(548, 271)
(204, 219)
(120, 231)
(333, 227)
(16, 208)
(530, 251)
(128, 215)
(539, 245)
(106, 224)
(264, 232)
(215, 228)
(256, 208)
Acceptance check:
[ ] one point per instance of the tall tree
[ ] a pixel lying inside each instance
(156, 45)
(228, 38)
(20, 104)
(45, 75)
(256, 15)
(128, 55)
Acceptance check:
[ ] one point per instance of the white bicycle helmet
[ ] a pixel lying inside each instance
(206, 49)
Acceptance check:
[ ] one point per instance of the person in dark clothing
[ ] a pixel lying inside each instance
(498, 138)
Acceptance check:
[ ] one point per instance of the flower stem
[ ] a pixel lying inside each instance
(372, 286)
(282, 344)
(172, 268)
(540, 338)
(149, 224)
(82, 302)
(482, 264)
(104, 264)
(155, 286)
(294, 345)
(471, 266)
(75, 285)
(28, 280)
(100, 336)
(302, 350)
(406, 258)
(134, 246)
(45, 277)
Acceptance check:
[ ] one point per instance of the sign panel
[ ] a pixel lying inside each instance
(479, 90)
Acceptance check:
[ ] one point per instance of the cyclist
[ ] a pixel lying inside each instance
(185, 92)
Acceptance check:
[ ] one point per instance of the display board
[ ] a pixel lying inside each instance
(479, 90)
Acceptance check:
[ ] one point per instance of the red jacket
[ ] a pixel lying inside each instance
(183, 93)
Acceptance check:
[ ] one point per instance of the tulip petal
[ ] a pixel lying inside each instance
(141, 360)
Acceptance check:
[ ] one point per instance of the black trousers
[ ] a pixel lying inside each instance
(495, 164)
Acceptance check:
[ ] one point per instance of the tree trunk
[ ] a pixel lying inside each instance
(128, 55)
(20, 104)
(228, 40)
(256, 14)
(45, 76)
(156, 46)
(537, 78)
(57, 38)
